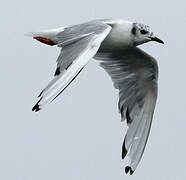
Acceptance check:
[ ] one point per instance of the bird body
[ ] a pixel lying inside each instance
(119, 36)
(134, 73)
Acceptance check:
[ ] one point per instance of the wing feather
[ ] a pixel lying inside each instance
(134, 73)
(73, 57)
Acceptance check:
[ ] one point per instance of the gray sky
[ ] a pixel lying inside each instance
(79, 136)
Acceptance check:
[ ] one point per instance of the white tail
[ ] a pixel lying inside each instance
(48, 37)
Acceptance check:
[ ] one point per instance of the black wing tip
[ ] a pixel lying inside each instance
(36, 108)
(124, 150)
(57, 72)
(128, 169)
(40, 94)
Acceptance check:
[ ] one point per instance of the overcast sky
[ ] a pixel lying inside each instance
(79, 136)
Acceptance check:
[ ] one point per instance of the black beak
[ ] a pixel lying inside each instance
(156, 39)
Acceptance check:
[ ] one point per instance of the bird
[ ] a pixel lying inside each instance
(114, 44)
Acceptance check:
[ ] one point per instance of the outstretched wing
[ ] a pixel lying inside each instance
(79, 44)
(134, 73)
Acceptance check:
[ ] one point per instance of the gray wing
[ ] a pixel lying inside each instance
(70, 41)
(79, 44)
(134, 73)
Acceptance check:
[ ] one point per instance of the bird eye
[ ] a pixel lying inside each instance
(143, 31)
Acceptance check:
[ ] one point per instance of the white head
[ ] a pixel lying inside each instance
(141, 34)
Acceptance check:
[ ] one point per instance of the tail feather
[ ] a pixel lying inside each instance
(45, 40)
(48, 37)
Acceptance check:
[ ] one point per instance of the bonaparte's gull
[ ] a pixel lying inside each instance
(134, 73)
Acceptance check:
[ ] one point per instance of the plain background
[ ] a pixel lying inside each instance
(79, 136)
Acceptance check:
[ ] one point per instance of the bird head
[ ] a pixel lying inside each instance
(141, 34)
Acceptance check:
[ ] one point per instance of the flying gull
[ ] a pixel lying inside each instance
(134, 73)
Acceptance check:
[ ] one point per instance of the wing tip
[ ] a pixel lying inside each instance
(57, 72)
(36, 108)
(128, 169)
(124, 150)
